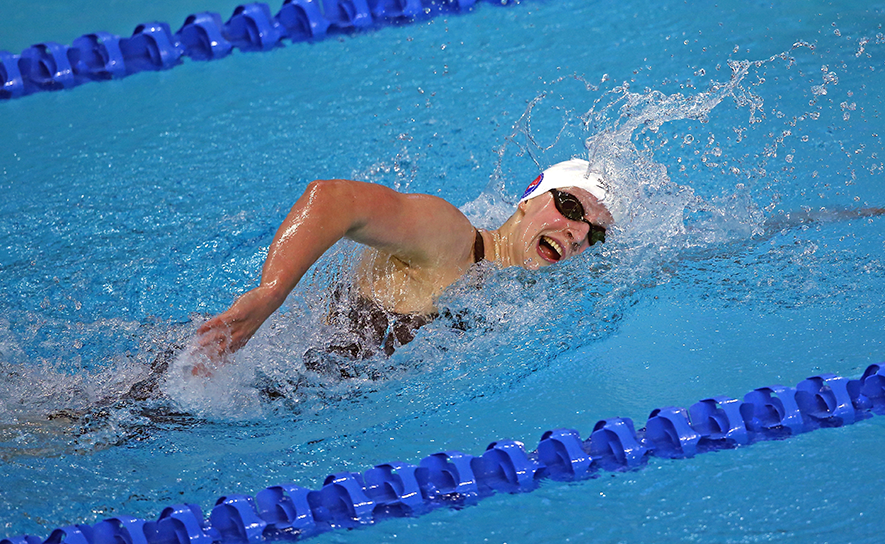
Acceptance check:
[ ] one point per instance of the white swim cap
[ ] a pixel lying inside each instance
(571, 173)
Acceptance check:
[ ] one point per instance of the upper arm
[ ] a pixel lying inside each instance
(416, 228)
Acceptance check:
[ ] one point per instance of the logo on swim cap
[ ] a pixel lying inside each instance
(532, 186)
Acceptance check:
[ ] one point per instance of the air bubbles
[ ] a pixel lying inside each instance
(861, 46)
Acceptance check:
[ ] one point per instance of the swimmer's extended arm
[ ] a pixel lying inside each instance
(806, 217)
(421, 230)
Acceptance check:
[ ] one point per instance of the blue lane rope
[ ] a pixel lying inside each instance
(452, 478)
(99, 56)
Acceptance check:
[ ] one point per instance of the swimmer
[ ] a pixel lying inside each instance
(416, 246)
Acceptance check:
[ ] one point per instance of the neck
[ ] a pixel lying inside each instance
(499, 244)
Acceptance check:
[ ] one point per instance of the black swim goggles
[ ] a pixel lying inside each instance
(570, 207)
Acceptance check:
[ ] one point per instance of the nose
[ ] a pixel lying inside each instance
(577, 233)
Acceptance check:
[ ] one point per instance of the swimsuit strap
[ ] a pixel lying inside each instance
(479, 248)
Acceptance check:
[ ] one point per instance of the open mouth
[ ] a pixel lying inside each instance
(549, 249)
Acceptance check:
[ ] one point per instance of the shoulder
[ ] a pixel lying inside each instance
(439, 231)
(417, 228)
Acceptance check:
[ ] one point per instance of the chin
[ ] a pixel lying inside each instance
(534, 263)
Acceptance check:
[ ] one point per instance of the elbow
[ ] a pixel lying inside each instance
(337, 201)
(331, 189)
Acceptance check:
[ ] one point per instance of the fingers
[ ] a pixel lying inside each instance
(200, 370)
(213, 341)
(227, 338)
(205, 327)
(231, 330)
(214, 336)
(219, 336)
(217, 321)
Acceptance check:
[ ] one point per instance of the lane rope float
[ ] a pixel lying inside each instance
(453, 478)
(101, 56)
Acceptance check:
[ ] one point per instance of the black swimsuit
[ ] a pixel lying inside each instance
(377, 328)
(479, 248)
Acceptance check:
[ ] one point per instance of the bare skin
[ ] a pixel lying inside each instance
(418, 245)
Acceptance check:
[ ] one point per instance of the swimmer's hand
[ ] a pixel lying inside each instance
(229, 331)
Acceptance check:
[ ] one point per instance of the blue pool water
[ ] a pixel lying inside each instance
(135, 208)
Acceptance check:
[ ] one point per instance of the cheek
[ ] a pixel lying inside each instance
(530, 258)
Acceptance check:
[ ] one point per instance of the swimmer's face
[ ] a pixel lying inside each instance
(548, 237)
